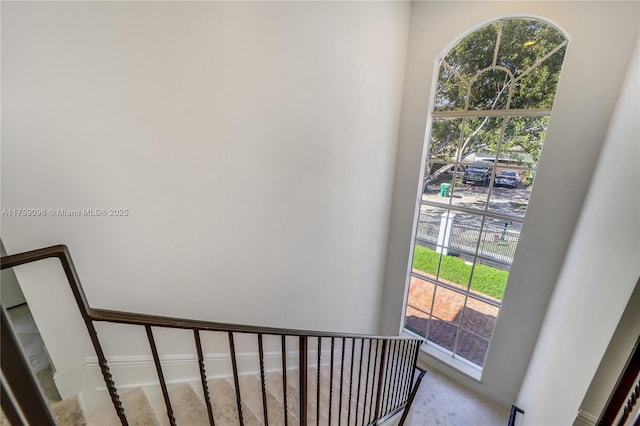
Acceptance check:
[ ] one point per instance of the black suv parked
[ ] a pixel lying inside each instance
(477, 173)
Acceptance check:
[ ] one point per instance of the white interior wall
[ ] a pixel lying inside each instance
(253, 145)
(602, 37)
(598, 277)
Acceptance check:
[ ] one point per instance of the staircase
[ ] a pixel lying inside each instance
(321, 378)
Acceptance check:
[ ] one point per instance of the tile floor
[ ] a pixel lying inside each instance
(440, 400)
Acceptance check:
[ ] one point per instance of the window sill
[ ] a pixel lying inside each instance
(441, 355)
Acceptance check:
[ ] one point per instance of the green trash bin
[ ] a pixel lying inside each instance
(444, 189)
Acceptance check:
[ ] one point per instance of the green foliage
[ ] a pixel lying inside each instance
(486, 279)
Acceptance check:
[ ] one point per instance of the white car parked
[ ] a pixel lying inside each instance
(509, 178)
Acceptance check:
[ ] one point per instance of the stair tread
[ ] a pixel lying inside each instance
(69, 412)
(225, 408)
(188, 408)
(274, 384)
(252, 394)
(137, 409)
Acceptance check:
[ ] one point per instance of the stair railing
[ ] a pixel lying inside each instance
(625, 394)
(515, 410)
(387, 387)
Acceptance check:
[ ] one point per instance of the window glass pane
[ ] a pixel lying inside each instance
(439, 190)
(448, 305)
(510, 193)
(490, 90)
(481, 136)
(455, 270)
(528, 178)
(416, 321)
(524, 42)
(429, 225)
(474, 52)
(472, 348)
(421, 294)
(499, 240)
(426, 261)
(537, 89)
(445, 140)
(451, 92)
(479, 317)
(495, 254)
(465, 234)
(442, 333)
(472, 189)
(523, 139)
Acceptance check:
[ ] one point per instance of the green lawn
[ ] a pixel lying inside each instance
(486, 279)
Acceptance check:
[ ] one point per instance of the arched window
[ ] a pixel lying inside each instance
(493, 99)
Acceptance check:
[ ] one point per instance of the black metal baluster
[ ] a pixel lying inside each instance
(414, 363)
(515, 410)
(331, 378)
(411, 386)
(262, 380)
(383, 357)
(318, 382)
(203, 376)
(397, 372)
(284, 379)
(359, 379)
(408, 359)
(341, 382)
(353, 350)
(366, 383)
(163, 385)
(407, 383)
(415, 347)
(387, 376)
(390, 360)
(236, 378)
(402, 370)
(303, 354)
(394, 375)
(62, 253)
(373, 381)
